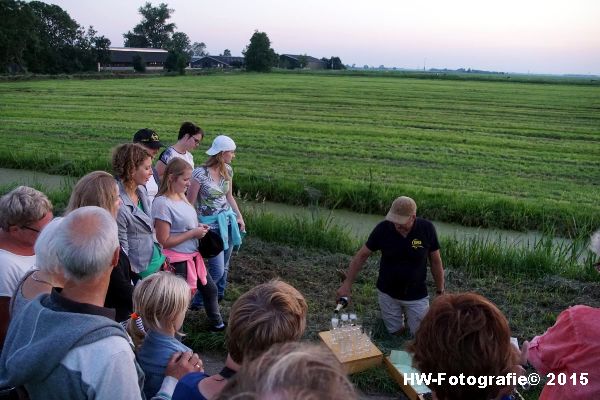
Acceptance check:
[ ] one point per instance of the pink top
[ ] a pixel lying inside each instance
(195, 266)
(571, 346)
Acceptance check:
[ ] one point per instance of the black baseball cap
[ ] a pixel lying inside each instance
(148, 138)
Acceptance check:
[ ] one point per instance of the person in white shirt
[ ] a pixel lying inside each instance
(190, 136)
(24, 212)
(150, 140)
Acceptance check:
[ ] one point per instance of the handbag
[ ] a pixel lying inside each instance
(210, 245)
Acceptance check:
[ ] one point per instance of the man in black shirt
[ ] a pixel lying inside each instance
(406, 243)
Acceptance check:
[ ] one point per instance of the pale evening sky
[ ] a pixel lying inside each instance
(537, 36)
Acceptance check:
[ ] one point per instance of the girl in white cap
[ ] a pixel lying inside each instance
(212, 192)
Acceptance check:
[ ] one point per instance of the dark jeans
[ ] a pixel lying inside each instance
(208, 291)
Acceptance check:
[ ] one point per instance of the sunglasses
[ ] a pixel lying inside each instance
(30, 228)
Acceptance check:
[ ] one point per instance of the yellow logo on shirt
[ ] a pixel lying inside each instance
(417, 244)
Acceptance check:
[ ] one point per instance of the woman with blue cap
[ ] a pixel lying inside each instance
(211, 190)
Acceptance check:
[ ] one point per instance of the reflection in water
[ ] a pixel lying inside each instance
(360, 225)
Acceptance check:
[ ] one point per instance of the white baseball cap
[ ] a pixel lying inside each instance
(402, 209)
(221, 143)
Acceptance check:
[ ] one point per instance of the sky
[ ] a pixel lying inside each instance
(525, 36)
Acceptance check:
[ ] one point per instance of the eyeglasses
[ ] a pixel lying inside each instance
(30, 228)
(197, 141)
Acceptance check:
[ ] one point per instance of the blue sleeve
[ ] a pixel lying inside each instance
(187, 387)
(161, 211)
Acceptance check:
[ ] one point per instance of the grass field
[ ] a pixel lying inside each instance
(511, 155)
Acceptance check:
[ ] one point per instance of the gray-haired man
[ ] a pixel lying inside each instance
(406, 243)
(67, 345)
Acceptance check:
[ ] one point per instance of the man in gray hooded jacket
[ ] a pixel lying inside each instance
(67, 345)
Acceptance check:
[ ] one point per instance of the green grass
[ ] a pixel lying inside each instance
(531, 303)
(479, 153)
(475, 257)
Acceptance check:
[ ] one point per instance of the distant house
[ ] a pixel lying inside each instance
(121, 58)
(292, 61)
(217, 62)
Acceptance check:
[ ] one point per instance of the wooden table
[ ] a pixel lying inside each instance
(357, 363)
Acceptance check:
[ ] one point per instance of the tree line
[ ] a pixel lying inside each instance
(42, 38)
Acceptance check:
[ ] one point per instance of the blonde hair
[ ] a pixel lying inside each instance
(273, 312)
(217, 160)
(159, 299)
(126, 158)
(94, 189)
(175, 168)
(291, 371)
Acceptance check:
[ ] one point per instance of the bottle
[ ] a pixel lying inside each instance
(341, 303)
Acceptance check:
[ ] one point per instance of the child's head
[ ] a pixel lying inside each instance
(162, 300)
(273, 312)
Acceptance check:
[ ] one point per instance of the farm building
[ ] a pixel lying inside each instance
(121, 58)
(291, 61)
(217, 62)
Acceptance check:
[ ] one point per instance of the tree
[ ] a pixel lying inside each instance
(153, 31)
(16, 31)
(100, 46)
(139, 65)
(176, 61)
(199, 49)
(180, 44)
(334, 63)
(227, 53)
(43, 38)
(303, 60)
(60, 44)
(258, 54)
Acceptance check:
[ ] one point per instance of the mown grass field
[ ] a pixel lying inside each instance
(511, 155)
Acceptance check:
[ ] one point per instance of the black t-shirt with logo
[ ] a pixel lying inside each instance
(403, 264)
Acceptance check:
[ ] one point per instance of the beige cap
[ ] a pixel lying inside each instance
(402, 209)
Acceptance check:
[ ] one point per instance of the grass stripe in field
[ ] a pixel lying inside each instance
(469, 143)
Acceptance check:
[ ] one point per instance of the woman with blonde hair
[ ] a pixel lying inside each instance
(178, 230)
(100, 189)
(132, 165)
(211, 190)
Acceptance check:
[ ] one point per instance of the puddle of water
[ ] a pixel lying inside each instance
(32, 178)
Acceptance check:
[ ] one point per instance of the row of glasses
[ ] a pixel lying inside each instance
(349, 337)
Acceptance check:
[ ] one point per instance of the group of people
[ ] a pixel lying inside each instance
(92, 303)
